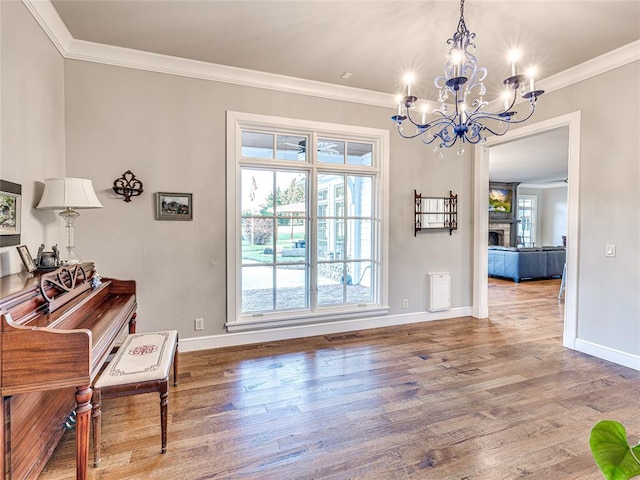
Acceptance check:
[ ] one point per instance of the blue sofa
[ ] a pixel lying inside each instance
(519, 263)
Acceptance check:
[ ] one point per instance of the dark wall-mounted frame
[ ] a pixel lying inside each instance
(174, 206)
(10, 213)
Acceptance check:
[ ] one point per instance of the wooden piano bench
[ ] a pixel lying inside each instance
(142, 364)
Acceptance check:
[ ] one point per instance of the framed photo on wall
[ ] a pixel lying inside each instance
(26, 258)
(10, 213)
(174, 206)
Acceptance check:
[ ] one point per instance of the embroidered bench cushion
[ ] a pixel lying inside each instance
(142, 357)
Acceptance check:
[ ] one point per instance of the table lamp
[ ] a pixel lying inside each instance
(69, 195)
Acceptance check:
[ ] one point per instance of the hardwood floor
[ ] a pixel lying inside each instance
(456, 399)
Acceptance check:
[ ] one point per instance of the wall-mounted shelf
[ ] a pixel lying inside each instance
(435, 212)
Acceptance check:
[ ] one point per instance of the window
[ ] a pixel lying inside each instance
(527, 217)
(306, 221)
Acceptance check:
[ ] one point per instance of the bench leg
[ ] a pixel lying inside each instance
(163, 388)
(96, 420)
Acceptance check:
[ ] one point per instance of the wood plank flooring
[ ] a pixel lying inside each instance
(461, 399)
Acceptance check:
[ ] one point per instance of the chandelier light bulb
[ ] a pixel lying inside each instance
(514, 56)
(464, 118)
(456, 60)
(531, 73)
(408, 79)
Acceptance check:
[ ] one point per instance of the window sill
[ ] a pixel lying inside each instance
(296, 319)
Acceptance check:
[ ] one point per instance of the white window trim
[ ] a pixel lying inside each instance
(534, 216)
(236, 122)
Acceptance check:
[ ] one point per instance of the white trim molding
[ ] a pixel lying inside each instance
(607, 353)
(332, 328)
(47, 16)
(481, 217)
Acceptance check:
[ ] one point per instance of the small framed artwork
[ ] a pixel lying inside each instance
(10, 213)
(26, 257)
(174, 206)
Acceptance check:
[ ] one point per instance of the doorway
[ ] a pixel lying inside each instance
(481, 217)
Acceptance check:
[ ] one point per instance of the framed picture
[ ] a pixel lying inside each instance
(26, 257)
(500, 200)
(174, 206)
(10, 213)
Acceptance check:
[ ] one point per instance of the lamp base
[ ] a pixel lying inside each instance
(69, 258)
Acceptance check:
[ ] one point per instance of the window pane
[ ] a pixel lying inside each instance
(257, 240)
(331, 242)
(331, 151)
(291, 147)
(359, 194)
(257, 145)
(359, 290)
(330, 288)
(359, 153)
(257, 192)
(359, 243)
(291, 291)
(292, 245)
(291, 194)
(328, 186)
(257, 289)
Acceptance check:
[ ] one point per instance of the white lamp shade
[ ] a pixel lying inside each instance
(75, 193)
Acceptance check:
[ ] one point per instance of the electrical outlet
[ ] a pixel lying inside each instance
(199, 324)
(405, 303)
(610, 250)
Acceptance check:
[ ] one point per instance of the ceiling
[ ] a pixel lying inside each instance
(541, 159)
(376, 41)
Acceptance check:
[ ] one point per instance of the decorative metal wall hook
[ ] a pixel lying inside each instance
(128, 186)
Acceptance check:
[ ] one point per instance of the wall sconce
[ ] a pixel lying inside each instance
(128, 186)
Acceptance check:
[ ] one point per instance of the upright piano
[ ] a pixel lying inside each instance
(56, 330)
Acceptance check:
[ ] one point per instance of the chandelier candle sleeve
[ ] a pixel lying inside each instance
(462, 115)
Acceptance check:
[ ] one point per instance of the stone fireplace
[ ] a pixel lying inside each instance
(500, 234)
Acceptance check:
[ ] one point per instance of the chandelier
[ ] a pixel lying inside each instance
(463, 80)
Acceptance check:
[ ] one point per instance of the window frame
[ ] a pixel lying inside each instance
(237, 122)
(532, 237)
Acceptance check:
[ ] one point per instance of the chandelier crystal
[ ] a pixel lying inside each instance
(463, 82)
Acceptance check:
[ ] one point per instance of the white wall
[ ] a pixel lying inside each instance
(551, 213)
(554, 220)
(608, 288)
(170, 131)
(31, 124)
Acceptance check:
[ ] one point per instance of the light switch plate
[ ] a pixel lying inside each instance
(610, 250)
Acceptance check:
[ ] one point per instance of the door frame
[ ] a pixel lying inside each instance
(481, 218)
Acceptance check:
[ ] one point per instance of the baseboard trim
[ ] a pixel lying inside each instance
(287, 333)
(612, 355)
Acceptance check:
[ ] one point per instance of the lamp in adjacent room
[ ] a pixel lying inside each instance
(69, 195)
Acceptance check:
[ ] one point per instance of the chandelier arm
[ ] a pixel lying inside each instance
(472, 141)
(498, 134)
(532, 109)
(401, 133)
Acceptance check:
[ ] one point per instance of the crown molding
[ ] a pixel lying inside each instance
(70, 48)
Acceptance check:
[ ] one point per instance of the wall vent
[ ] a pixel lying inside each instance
(439, 291)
